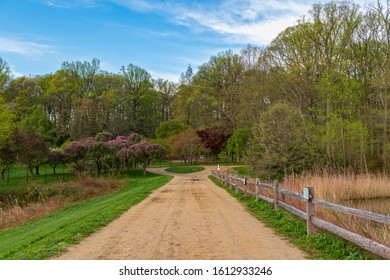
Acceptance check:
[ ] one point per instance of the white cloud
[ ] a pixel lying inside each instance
(174, 77)
(23, 47)
(237, 21)
(14, 72)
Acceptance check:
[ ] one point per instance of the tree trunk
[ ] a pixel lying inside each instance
(31, 169)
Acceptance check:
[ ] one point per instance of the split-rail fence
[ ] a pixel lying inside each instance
(253, 188)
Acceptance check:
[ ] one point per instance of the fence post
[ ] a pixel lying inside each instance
(309, 195)
(276, 194)
(257, 188)
(230, 180)
(236, 183)
(245, 189)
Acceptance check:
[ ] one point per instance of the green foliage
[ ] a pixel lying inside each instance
(6, 122)
(280, 141)
(169, 128)
(5, 74)
(236, 145)
(184, 169)
(346, 143)
(50, 235)
(40, 123)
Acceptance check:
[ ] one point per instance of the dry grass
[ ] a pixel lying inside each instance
(19, 215)
(56, 196)
(370, 192)
(342, 187)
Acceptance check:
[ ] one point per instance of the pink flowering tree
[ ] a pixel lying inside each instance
(125, 155)
(116, 145)
(76, 154)
(55, 158)
(97, 151)
(145, 152)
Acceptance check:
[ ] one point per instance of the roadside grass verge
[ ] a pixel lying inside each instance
(324, 246)
(38, 200)
(184, 169)
(50, 235)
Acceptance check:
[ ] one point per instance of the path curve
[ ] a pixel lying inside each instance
(187, 219)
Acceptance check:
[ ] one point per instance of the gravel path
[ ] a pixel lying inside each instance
(188, 219)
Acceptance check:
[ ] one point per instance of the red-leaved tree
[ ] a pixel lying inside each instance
(214, 138)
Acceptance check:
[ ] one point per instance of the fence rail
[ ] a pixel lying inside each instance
(253, 188)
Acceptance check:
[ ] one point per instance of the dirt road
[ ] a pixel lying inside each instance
(189, 218)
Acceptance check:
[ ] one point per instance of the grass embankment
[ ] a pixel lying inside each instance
(184, 169)
(48, 236)
(319, 246)
(38, 200)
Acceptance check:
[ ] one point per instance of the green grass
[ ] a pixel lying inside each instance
(18, 179)
(244, 171)
(320, 246)
(248, 172)
(184, 169)
(50, 235)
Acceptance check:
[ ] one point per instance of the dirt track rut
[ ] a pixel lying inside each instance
(187, 219)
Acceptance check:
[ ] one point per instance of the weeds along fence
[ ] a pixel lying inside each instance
(274, 193)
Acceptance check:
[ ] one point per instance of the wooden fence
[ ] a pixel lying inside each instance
(275, 191)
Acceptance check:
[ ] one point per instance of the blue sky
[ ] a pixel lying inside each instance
(163, 37)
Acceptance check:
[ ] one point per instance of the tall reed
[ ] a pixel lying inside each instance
(370, 192)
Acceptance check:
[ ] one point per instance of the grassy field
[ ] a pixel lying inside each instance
(319, 246)
(184, 169)
(17, 178)
(48, 236)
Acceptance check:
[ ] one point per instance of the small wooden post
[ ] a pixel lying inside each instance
(276, 194)
(245, 189)
(257, 188)
(230, 181)
(309, 195)
(236, 183)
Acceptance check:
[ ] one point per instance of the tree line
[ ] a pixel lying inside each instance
(317, 96)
